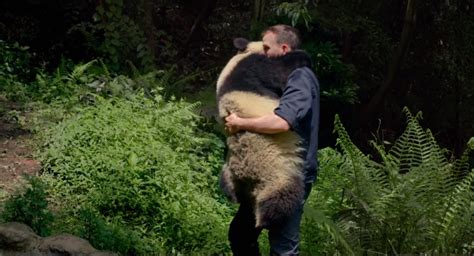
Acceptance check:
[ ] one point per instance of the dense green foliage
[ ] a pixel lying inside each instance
(14, 69)
(102, 234)
(145, 163)
(124, 40)
(335, 77)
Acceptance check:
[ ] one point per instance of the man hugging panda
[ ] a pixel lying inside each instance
(269, 98)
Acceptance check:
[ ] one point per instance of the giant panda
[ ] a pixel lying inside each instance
(261, 169)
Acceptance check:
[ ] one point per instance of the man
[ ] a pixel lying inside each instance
(298, 110)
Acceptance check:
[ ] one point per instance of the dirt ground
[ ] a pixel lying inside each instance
(16, 152)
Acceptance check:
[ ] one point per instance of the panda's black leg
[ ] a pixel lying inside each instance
(243, 235)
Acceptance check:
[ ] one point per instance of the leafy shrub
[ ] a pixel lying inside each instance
(15, 60)
(296, 12)
(30, 207)
(63, 84)
(143, 162)
(413, 201)
(336, 77)
(15, 70)
(123, 39)
(103, 235)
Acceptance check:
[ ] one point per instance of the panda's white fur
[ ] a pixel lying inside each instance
(261, 169)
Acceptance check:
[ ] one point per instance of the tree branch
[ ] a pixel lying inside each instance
(370, 109)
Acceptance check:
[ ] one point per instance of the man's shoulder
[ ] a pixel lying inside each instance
(305, 74)
(303, 71)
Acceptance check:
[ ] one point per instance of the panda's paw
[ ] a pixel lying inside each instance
(230, 195)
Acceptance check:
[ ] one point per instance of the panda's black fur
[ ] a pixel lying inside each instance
(261, 169)
(263, 75)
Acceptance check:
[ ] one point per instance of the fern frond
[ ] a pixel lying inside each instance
(344, 140)
(359, 164)
(461, 166)
(420, 158)
(409, 147)
(456, 206)
(400, 205)
(331, 227)
(79, 70)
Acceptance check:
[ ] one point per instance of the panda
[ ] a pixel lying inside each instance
(263, 170)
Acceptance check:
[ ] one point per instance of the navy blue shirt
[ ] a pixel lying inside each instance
(299, 106)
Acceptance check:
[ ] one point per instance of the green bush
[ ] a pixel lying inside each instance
(103, 235)
(123, 40)
(336, 77)
(15, 60)
(145, 163)
(15, 70)
(30, 207)
(412, 201)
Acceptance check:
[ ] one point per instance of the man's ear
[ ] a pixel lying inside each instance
(285, 48)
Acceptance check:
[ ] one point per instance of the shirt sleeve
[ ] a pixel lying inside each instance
(296, 99)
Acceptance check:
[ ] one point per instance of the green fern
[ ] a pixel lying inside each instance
(413, 201)
(77, 74)
(456, 213)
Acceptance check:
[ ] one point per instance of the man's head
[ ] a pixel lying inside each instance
(280, 39)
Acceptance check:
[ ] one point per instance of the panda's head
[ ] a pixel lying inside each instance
(244, 48)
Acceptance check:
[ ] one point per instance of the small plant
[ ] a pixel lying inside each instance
(30, 207)
(336, 78)
(106, 236)
(15, 70)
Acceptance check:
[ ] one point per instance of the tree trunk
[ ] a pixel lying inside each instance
(259, 7)
(374, 104)
(347, 47)
(149, 24)
(205, 12)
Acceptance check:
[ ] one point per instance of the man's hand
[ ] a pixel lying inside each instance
(232, 123)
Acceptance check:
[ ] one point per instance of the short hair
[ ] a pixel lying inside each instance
(285, 35)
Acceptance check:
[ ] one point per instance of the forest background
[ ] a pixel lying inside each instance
(137, 78)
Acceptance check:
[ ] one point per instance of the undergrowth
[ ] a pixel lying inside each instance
(413, 201)
(145, 164)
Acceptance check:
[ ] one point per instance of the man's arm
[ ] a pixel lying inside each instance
(269, 124)
(294, 104)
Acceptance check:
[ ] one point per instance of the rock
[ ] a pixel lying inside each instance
(17, 236)
(17, 239)
(66, 244)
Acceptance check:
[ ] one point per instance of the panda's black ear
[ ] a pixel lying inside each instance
(241, 43)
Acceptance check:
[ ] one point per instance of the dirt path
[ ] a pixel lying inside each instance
(16, 153)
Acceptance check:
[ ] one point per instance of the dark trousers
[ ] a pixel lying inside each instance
(284, 238)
